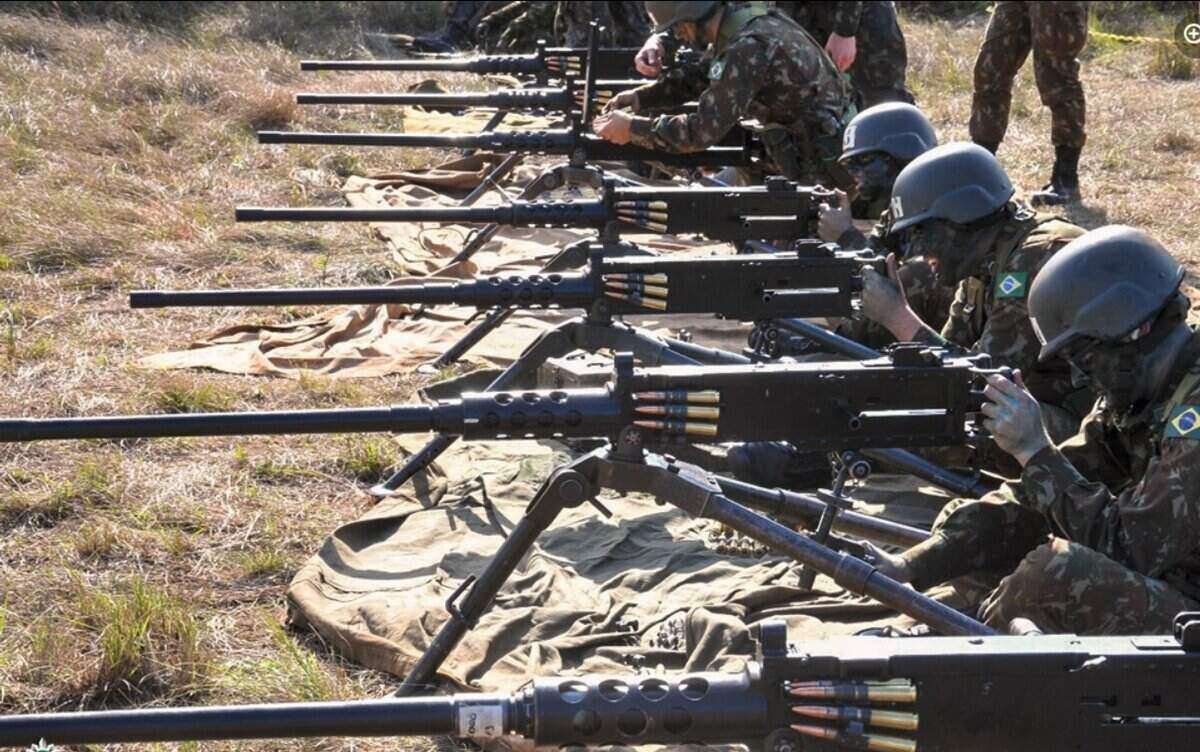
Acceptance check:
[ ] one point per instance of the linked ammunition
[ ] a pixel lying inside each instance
(651, 303)
(893, 719)
(852, 691)
(680, 411)
(678, 427)
(857, 741)
(701, 397)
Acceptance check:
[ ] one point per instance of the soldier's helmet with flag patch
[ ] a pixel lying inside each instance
(667, 14)
(1102, 286)
(957, 182)
(897, 129)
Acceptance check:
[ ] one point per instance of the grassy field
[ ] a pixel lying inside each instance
(153, 573)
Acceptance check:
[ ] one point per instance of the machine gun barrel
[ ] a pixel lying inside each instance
(518, 214)
(746, 287)
(925, 694)
(563, 142)
(780, 210)
(608, 62)
(915, 399)
(545, 291)
(557, 98)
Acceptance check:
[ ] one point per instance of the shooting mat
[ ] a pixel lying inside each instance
(647, 588)
(371, 341)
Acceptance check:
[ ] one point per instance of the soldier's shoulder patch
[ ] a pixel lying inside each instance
(716, 70)
(1183, 423)
(1012, 284)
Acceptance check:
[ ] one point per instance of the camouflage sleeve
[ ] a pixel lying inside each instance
(845, 19)
(675, 87)
(1151, 526)
(725, 102)
(1008, 337)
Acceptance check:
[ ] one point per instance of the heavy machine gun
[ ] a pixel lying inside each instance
(777, 210)
(816, 280)
(917, 396)
(928, 694)
(566, 99)
(545, 62)
(576, 141)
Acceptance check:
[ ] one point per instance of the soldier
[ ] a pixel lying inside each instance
(1056, 32)
(1100, 533)
(879, 142)
(953, 206)
(863, 38)
(462, 18)
(625, 24)
(763, 66)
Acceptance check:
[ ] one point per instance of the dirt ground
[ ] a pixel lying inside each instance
(153, 572)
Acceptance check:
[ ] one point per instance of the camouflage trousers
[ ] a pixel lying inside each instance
(881, 64)
(1055, 32)
(625, 24)
(996, 551)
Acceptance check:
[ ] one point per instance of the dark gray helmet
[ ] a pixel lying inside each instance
(895, 128)
(1102, 285)
(958, 182)
(666, 14)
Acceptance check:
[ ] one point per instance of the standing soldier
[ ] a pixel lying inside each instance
(1056, 32)
(864, 39)
(762, 65)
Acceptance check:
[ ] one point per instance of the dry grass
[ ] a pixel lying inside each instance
(153, 572)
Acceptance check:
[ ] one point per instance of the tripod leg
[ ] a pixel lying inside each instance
(552, 344)
(567, 487)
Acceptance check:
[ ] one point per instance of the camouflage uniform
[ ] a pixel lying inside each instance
(518, 26)
(625, 23)
(763, 66)
(1100, 535)
(1056, 32)
(989, 314)
(881, 62)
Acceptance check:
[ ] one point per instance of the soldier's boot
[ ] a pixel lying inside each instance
(992, 146)
(1063, 187)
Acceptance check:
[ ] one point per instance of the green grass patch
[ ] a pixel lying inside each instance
(365, 458)
(292, 674)
(181, 395)
(149, 642)
(262, 562)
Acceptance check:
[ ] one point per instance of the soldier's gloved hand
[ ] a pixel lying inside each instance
(832, 223)
(843, 50)
(626, 100)
(884, 302)
(1014, 417)
(649, 59)
(613, 126)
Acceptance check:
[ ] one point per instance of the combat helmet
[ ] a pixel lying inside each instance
(1101, 286)
(957, 182)
(667, 14)
(897, 129)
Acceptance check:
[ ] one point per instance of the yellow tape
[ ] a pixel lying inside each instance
(1129, 39)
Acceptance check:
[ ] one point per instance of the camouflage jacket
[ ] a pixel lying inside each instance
(763, 67)
(1129, 485)
(989, 312)
(822, 18)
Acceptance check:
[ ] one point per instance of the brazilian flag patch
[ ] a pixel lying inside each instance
(1012, 285)
(1184, 423)
(716, 70)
